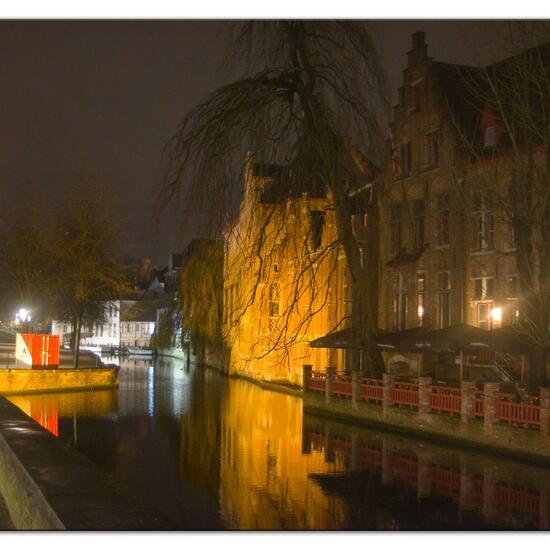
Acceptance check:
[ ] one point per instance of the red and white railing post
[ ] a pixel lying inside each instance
(331, 373)
(387, 391)
(544, 403)
(306, 375)
(490, 404)
(467, 401)
(424, 391)
(356, 380)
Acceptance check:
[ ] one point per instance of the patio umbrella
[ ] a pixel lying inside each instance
(347, 338)
(402, 340)
(455, 338)
(509, 340)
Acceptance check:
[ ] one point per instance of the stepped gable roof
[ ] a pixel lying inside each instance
(281, 185)
(463, 87)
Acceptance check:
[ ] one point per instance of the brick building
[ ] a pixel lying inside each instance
(446, 255)
(285, 280)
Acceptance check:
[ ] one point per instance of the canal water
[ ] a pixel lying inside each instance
(216, 453)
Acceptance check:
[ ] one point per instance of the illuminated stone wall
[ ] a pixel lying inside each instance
(282, 286)
(37, 381)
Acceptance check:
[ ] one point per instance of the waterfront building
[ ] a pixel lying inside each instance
(125, 323)
(447, 247)
(285, 280)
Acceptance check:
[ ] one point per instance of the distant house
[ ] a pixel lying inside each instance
(127, 323)
(105, 334)
(138, 323)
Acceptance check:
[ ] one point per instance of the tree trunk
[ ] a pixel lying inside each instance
(76, 339)
(364, 296)
(537, 368)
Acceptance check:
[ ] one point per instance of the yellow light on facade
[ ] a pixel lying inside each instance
(420, 311)
(496, 314)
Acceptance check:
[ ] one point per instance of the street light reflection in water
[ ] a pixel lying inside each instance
(212, 452)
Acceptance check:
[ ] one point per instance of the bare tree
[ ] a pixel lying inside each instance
(508, 166)
(308, 101)
(88, 273)
(25, 252)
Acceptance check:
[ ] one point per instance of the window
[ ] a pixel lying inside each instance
(483, 223)
(444, 299)
(274, 299)
(400, 311)
(484, 288)
(484, 315)
(400, 305)
(405, 158)
(443, 218)
(431, 149)
(420, 297)
(511, 237)
(419, 222)
(512, 286)
(418, 95)
(489, 136)
(395, 229)
(403, 311)
(317, 219)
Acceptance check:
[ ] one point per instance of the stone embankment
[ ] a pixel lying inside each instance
(19, 381)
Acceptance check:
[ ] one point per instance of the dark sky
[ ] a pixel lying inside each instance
(100, 99)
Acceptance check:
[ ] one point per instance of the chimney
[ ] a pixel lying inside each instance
(419, 50)
(419, 40)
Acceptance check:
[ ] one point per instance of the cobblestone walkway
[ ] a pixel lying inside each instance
(5, 521)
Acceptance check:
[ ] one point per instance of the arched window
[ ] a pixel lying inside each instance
(274, 299)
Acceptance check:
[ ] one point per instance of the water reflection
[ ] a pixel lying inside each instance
(210, 452)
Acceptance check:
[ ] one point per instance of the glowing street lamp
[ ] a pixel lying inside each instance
(23, 316)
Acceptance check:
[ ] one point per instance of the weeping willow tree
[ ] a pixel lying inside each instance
(307, 99)
(200, 290)
(507, 174)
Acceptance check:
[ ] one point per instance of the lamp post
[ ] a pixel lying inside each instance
(23, 316)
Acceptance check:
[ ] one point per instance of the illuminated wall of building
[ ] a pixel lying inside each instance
(284, 282)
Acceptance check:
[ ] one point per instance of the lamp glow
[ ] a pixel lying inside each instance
(496, 314)
(22, 316)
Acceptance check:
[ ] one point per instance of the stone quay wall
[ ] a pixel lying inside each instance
(18, 381)
(50, 486)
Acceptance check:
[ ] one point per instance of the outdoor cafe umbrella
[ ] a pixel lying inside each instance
(347, 338)
(510, 340)
(401, 340)
(456, 338)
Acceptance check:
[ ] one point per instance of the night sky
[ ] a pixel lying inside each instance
(100, 98)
